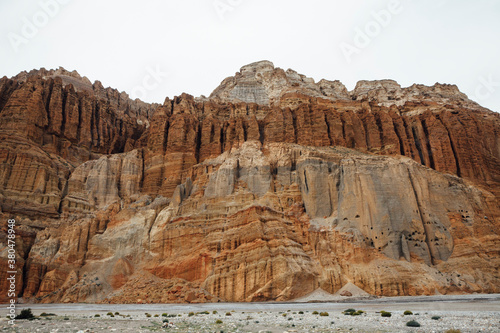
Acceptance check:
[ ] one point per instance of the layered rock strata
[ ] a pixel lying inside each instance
(273, 187)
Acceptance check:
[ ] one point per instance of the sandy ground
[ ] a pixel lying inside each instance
(469, 313)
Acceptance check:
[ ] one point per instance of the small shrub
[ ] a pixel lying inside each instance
(214, 312)
(284, 314)
(164, 314)
(408, 313)
(301, 312)
(97, 315)
(25, 314)
(228, 314)
(117, 313)
(156, 315)
(66, 318)
(436, 317)
(148, 315)
(350, 310)
(453, 331)
(385, 314)
(204, 312)
(315, 312)
(43, 314)
(165, 320)
(324, 314)
(413, 323)
(109, 313)
(218, 321)
(112, 316)
(190, 314)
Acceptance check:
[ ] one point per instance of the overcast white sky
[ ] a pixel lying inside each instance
(195, 44)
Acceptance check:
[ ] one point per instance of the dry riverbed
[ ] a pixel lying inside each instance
(471, 313)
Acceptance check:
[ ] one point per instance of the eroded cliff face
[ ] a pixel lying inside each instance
(270, 189)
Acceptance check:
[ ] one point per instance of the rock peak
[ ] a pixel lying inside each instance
(258, 67)
(263, 83)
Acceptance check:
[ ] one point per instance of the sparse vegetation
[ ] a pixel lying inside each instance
(148, 315)
(324, 314)
(43, 314)
(109, 313)
(66, 318)
(218, 321)
(164, 314)
(97, 315)
(353, 312)
(301, 312)
(385, 314)
(117, 313)
(25, 314)
(315, 312)
(435, 317)
(214, 312)
(156, 315)
(190, 314)
(413, 323)
(408, 313)
(228, 314)
(453, 331)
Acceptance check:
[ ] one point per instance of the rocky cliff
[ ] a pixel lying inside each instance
(272, 187)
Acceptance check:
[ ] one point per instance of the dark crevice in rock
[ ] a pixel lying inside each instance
(452, 144)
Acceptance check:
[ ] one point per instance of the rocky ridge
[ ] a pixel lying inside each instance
(272, 188)
(262, 83)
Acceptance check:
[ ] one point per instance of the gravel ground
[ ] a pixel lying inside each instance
(474, 313)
